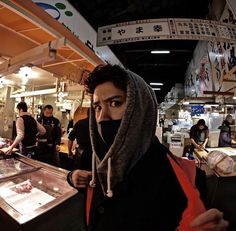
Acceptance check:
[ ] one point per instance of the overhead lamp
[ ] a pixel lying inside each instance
(160, 52)
(211, 105)
(234, 97)
(25, 71)
(156, 89)
(186, 102)
(156, 84)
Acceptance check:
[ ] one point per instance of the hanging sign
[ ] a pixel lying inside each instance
(166, 29)
(69, 17)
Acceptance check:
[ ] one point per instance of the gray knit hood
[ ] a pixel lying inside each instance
(134, 137)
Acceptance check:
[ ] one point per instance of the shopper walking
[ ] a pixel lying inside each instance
(135, 183)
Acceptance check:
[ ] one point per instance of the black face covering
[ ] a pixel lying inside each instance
(108, 130)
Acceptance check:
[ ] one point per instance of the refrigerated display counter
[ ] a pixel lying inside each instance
(36, 196)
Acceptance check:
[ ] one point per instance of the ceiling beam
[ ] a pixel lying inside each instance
(218, 93)
(63, 62)
(36, 55)
(229, 80)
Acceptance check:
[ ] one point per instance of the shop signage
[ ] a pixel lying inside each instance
(69, 17)
(166, 29)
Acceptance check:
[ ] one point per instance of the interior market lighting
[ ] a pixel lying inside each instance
(186, 102)
(156, 84)
(156, 89)
(234, 97)
(160, 52)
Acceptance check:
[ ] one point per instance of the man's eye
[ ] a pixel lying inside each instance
(97, 108)
(115, 103)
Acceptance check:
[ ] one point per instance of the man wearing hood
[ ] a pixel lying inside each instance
(27, 129)
(49, 143)
(135, 183)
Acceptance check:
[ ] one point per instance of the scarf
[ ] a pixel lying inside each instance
(134, 136)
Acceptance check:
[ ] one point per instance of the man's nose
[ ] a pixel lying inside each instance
(104, 115)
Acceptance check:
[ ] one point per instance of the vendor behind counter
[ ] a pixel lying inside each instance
(225, 139)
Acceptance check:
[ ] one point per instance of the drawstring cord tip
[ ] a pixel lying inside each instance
(109, 193)
(92, 184)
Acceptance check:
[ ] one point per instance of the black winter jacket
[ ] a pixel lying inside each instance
(149, 199)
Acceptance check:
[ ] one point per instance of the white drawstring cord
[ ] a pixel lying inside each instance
(92, 182)
(109, 191)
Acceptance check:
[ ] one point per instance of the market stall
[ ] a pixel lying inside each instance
(41, 62)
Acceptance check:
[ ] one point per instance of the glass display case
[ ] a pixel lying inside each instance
(36, 196)
(11, 166)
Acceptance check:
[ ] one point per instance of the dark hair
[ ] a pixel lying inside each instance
(48, 106)
(104, 73)
(201, 122)
(22, 106)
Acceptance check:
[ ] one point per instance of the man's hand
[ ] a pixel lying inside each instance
(58, 148)
(81, 178)
(233, 141)
(211, 220)
(8, 151)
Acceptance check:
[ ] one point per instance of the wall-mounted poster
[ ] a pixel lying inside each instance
(198, 76)
(222, 56)
(190, 79)
(211, 62)
(203, 76)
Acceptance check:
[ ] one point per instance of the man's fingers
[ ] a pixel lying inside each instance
(81, 178)
(210, 216)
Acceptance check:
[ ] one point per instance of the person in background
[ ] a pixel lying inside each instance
(49, 143)
(136, 183)
(70, 122)
(83, 152)
(225, 139)
(199, 134)
(27, 129)
(70, 126)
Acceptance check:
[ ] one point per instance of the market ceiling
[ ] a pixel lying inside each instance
(166, 68)
(30, 37)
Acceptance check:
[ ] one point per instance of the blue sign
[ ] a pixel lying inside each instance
(197, 110)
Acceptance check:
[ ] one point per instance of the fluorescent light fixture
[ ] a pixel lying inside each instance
(33, 93)
(160, 52)
(186, 103)
(156, 84)
(156, 89)
(208, 105)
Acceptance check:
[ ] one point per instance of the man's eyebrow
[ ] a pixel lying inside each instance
(113, 97)
(108, 99)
